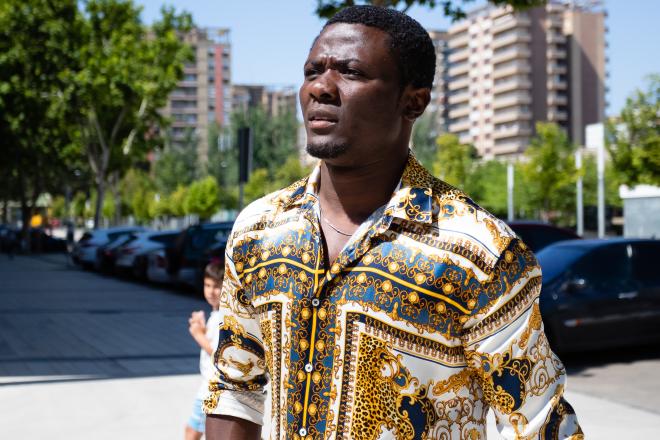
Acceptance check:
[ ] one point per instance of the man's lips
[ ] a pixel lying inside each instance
(321, 121)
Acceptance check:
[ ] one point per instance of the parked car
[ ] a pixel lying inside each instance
(538, 235)
(132, 255)
(187, 258)
(156, 271)
(106, 255)
(84, 252)
(601, 293)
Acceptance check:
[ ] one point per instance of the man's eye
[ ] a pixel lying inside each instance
(353, 72)
(311, 72)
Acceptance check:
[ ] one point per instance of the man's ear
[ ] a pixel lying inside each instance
(416, 100)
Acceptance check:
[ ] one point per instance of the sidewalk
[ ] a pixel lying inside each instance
(84, 356)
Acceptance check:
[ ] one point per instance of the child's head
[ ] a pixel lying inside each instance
(213, 275)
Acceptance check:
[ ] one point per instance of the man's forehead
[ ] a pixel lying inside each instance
(340, 35)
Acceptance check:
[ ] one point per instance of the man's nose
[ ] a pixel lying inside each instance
(324, 87)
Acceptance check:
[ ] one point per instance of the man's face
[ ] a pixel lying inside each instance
(351, 95)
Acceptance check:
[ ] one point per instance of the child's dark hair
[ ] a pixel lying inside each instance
(215, 270)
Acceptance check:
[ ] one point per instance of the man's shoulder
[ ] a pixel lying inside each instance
(268, 207)
(458, 213)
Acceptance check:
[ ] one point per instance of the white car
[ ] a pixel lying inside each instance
(132, 256)
(157, 268)
(84, 252)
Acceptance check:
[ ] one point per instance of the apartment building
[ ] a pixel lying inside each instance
(439, 106)
(509, 70)
(276, 100)
(203, 96)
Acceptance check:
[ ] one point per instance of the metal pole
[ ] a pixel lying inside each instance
(580, 205)
(509, 187)
(601, 191)
(240, 196)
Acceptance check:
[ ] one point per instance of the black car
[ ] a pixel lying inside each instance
(187, 258)
(601, 293)
(107, 254)
(538, 235)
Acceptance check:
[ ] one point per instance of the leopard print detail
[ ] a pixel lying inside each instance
(380, 400)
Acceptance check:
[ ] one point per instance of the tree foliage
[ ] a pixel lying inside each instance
(127, 72)
(549, 174)
(203, 198)
(633, 139)
(451, 8)
(37, 51)
(454, 162)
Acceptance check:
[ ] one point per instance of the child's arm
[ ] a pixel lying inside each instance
(197, 329)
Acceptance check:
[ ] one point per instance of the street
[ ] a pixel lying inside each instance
(83, 355)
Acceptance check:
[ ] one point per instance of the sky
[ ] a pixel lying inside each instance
(270, 39)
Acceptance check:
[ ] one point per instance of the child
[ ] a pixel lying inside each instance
(206, 335)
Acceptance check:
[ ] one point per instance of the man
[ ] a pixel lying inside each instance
(379, 301)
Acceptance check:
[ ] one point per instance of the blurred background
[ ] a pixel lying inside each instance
(133, 132)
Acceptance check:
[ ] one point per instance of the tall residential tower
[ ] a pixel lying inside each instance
(509, 70)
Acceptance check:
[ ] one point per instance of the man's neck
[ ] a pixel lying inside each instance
(349, 195)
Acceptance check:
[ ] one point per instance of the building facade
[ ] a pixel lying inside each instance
(203, 96)
(508, 71)
(439, 105)
(275, 100)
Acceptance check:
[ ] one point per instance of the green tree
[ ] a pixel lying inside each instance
(258, 186)
(451, 8)
(633, 139)
(203, 198)
(454, 162)
(127, 73)
(423, 139)
(175, 166)
(290, 171)
(549, 174)
(489, 186)
(273, 138)
(37, 49)
(176, 201)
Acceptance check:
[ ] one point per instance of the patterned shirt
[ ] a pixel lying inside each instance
(427, 319)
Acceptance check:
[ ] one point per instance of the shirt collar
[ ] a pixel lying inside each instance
(411, 201)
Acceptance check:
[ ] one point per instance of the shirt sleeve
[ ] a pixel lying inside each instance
(521, 378)
(237, 386)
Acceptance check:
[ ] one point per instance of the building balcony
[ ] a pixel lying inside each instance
(187, 84)
(459, 98)
(459, 69)
(511, 54)
(458, 28)
(556, 54)
(458, 41)
(555, 84)
(511, 115)
(507, 22)
(557, 116)
(512, 131)
(555, 38)
(511, 68)
(555, 20)
(556, 99)
(460, 126)
(459, 83)
(515, 83)
(511, 38)
(461, 55)
(459, 112)
(512, 99)
(510, 146)
(556, 69)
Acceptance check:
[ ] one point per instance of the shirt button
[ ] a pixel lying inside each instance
(315, 302)
(308, 368)
(302, 432)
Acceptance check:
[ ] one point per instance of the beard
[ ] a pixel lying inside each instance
(326, 150)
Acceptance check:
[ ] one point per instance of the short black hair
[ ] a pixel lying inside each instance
(410, 44)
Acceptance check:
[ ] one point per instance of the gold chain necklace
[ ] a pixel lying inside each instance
(336, 229)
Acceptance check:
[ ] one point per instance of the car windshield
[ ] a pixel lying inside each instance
(554, 260)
